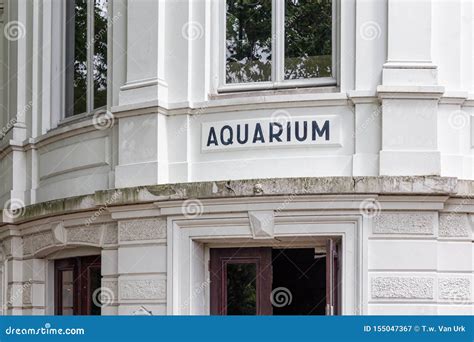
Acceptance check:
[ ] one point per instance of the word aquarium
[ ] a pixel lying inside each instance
(323, 130)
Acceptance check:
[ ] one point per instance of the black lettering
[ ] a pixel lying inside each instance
(258, 135)
(305, 131)
(275, 135)
(239, 140)
(288, 131)
(230, 139)
(212, 138)
(320, 132)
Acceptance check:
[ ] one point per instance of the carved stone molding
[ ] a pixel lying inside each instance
(10, 295)
(36, 242)
(402, 287)
(139, 230)
(85, 234)
(454, 225)
(455, 289)
(26, 293)
(109, 290)
(142, 289)
(262, 224)
(7, 248)
(404, 223)
(110, 234)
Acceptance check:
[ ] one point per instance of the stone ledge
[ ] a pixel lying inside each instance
(416, 185)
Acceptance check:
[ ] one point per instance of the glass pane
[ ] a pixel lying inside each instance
(100, 53)
(80, 57)
(248, 41)
(94, 279)
(67, 293)
(308, 39)
(241, 289)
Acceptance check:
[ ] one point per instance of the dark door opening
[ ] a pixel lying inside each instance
(266, 281)
(77, 286)
(299, 282)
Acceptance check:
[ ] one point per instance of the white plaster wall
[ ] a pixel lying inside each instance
(163, 88)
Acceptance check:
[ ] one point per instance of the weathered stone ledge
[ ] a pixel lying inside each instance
(416, 185)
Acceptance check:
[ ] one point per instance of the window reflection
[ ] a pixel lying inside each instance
(86, 48)
(79, 59)
(241, 289)
(248, 41)
(67, 293)
(100, 53)
(308, 43)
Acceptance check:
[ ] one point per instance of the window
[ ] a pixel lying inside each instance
(86, 56)
(77, 286)
(275, 281)
(279, 43)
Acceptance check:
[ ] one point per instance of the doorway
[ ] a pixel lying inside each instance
(77, 286)
(275, 281)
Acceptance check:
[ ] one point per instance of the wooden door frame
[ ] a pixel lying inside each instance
(80, 267)
(221, 257)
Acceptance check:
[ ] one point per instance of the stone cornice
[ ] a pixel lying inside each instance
(398, 186)
(410, 92)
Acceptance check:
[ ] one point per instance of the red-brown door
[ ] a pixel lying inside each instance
(77, 281)
(241, 281)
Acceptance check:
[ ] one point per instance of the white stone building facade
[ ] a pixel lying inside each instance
(373, 151)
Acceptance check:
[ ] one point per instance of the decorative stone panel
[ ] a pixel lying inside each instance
(110, 287)
(454, 225)
(143, 289)
(26, 292)
(87, 234)
(454, 288)
(404, 223)
(34, 243)
(402, 288)
(111, 234)
(10, 295)
(150, 229)
(7, 248)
